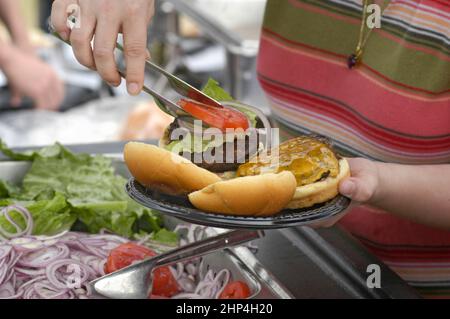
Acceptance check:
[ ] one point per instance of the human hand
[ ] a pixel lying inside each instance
(22, 42)
(105, 19)
(362, 186)
(29, 76)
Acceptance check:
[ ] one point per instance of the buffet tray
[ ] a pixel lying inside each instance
(241, 262)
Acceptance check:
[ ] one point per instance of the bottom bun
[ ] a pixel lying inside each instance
(319, 192)
(261, 195)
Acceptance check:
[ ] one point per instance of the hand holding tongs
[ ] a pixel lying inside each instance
(182, 88)
(178, 85)
(135, 281)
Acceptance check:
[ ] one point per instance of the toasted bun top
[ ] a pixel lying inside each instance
(260, 195)
(321, 191)
(160, 169)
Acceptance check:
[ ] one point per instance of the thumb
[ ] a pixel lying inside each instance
(357, 189)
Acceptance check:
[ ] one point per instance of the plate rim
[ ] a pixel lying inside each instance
(229, 221)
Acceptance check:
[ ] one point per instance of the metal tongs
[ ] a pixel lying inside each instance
(181, 87)
(135, 281)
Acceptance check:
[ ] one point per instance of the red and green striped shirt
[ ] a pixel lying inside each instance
(394, 106)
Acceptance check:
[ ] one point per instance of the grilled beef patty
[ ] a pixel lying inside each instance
(218, 162)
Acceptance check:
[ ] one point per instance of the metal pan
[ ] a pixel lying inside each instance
(181, 208)
(240, 261)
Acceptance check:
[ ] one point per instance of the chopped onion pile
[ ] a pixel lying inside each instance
(36, 267)
(61, 266)
(194, 278)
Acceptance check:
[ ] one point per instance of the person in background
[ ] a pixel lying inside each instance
(381, 94)
(27, 75)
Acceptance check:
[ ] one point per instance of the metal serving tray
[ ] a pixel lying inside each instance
(241, 262)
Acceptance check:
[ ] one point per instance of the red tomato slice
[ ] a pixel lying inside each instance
(164, 284)
(221, 118)
(235, 290)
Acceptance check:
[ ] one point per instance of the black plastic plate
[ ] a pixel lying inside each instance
(180, 207)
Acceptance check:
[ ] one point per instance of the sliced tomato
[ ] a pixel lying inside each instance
(221, 118)
(164, 284)
(235, 290)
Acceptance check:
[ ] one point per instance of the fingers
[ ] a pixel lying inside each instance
(51, 94)
(16, 99)
(104, 44)
(135, 45)
(81, 38)
(358, 189)
(60, 13)
(56, 95)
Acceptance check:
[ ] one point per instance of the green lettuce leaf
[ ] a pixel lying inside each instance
(166, 237)
(7, 190)
(215, 91)
(79, 190)
(50, 217)
(195, 145)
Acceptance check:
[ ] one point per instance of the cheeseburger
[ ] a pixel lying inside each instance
(299, 173)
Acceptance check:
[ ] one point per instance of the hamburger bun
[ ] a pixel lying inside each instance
(317, 168)
(160, 169)
(260, 195)
(321, 191)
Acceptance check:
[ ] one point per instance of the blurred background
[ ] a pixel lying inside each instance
(194, 39)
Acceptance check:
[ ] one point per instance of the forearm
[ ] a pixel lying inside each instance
(6, 53)
(13, 19)
(417, 192)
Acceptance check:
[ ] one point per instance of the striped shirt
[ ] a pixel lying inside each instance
(394, 106)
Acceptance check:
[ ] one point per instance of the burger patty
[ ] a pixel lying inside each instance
(219, 163)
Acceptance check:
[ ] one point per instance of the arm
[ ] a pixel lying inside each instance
(10, 14)
(417, 192)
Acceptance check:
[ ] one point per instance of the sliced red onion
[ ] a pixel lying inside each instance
(106, 238)
(30, 272)
(43, 257)
(3, 273)
(3, 262)
(26, 244)
(57, 236)
(36, 266)
(7, 290)
(225, 273)
(9, 275)
(186, 284)
(52, 269)
(4, 251)
(191, 269)
(14, 258)
(30, 293)
(31, 281)
(47, 291)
